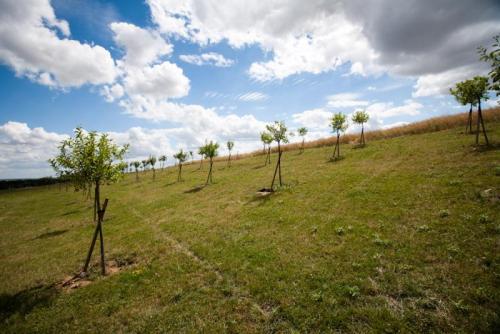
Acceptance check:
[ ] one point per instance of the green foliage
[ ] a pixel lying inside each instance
(464, 92)
(136, 165)
(302, 131)
(493, 58)
(266, 137)
(181, 156)
(152, 161)
(230, 145)
(278, 132)
(211, 150)
(360, 117)
(89, 158)
(339, 123)
(162, 158)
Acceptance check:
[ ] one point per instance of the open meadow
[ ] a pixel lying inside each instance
(400, 236)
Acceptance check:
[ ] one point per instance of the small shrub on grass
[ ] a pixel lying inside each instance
(340, 231)
(483, 218)
(444, 213)
(353, 291)
(423, 228)
(380, 242)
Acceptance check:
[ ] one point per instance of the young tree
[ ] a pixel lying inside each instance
(181, 157)
(361, 117)
(211, 151)
(162, 160)
(479, 89)
(493, 57)
(152, 162)
(136, 165)
(302, 132)
(201, 152)
(338, 124)
(278, 130)
(230, 145)
(145, 164)
(90, 159)
(191, 155)
(267, 139)
(463, 93)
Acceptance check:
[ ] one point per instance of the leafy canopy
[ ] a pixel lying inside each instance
(360, 117)
(302, 131)
(89, 158)
(181, 156)
(211, 149)
(464, 92)
(266, 137)
(230, 145)
(278, 130)
(479, 87)
(162, 158)
(493, 57)
(152, 160)
(339, 122)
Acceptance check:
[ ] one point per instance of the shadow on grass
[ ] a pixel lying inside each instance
(25, 301)
(51, 234)
(259, 167)
(70, 212)
(485, 148)
(195, 189)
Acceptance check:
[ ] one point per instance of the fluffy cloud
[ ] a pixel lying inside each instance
(211, 58)
(417, 39)
(24, 151)
(142, 46)
(36, 45)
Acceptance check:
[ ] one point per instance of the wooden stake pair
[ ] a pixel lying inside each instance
(98, 230)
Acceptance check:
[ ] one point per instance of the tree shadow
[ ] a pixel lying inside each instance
(259, 167)
(194, 189)
(25, 301)
(486, 148)
(51, 234)
(70, 212)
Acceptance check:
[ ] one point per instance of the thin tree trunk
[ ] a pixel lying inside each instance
(268, 154)
(229, 160)
(154, 174)
(201, 162)
(302, 147)
(469, 121)
(136, 175)
(276, 170)
(98, 230)
(279, 162)
(209, 176)
(362, 134)
(480, 117)
(179, 177)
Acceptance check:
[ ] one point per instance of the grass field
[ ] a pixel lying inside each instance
(400, 236)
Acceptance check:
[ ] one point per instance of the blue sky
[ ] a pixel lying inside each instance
(164, 75)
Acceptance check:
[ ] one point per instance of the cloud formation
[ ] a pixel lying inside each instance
(210, 58)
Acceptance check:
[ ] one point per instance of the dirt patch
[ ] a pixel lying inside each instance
(83, 279)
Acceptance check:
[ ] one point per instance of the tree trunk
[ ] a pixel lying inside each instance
(468, 128)
(276, 170)
(179, 176)
(229, 160)
(98, 230)
(201, 162)
(154, 174)
(136, 175)
(279, 162)
(209, 177)
(362, 134)
(480, 119)
(302, 147)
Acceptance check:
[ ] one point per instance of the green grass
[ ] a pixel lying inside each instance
(395, 237)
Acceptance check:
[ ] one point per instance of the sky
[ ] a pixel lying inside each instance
(162, 75)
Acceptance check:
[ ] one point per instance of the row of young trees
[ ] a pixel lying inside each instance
(473, 91)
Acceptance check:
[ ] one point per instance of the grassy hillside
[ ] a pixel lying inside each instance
(398, 236)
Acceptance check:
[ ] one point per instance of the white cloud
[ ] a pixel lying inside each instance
(381, 110)
(253, 96)
(142, 46)
(36, 44)
(345, 100)
(24, 151)
(418, 39)
(313, 119)
(112, 93)
(211, 58)
(161, 81)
